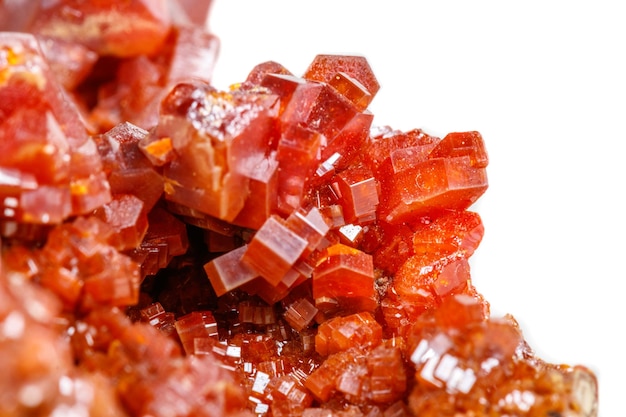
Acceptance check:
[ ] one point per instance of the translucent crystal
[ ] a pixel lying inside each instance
(273, 250)
(105, 27)
(344, 280)
(342, 333)
(227, 272)
(325, 67)
(195, 325)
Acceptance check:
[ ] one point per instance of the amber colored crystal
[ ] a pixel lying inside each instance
(351, 89)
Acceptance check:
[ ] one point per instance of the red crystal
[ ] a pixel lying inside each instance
(433, 185)
(227, 272)
(274, 250)
(180, 250)
(126, 215)
(128, 170)
(343, 279)
(326, 67)
(319, 108)
(193, 326)
(165, 238)
(104, 27)
(213, 162)
(70, 62)
(50, 167)
(359, 194)
(258, 73)
(298, 156)
(300, 313)
(342, 333)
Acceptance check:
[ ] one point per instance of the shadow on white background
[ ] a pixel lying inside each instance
(545, 85)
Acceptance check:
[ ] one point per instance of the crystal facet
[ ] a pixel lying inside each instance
(169, 249)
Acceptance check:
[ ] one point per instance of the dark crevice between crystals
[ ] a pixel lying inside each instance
(172, 249)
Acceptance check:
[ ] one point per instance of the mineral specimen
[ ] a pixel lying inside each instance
(169, 249)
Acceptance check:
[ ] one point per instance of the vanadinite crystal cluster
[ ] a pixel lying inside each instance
(170, 249)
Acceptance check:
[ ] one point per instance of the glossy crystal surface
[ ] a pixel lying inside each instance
(170, 249)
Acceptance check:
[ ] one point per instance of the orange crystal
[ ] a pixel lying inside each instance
(185, 251)
(104, 27)
(343, 280)
(51, 169)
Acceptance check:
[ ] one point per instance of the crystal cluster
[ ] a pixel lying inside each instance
(170, 249)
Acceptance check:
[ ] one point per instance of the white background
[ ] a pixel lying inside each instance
(545, 85)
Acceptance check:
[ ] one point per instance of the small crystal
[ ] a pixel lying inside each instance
(344, 276)
(227, 272)
(325, 67)
(126, 29)
(172, 249)
(342, 333)
(195, 325)
(273, 250)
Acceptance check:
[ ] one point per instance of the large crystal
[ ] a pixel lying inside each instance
(170, 249)
(49, 168)
(104, 27)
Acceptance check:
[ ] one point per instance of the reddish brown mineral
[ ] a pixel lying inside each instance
(169, 249)
(105, 27)
(50, 168)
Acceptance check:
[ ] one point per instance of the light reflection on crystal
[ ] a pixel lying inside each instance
(265, 247)
(518, 400)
